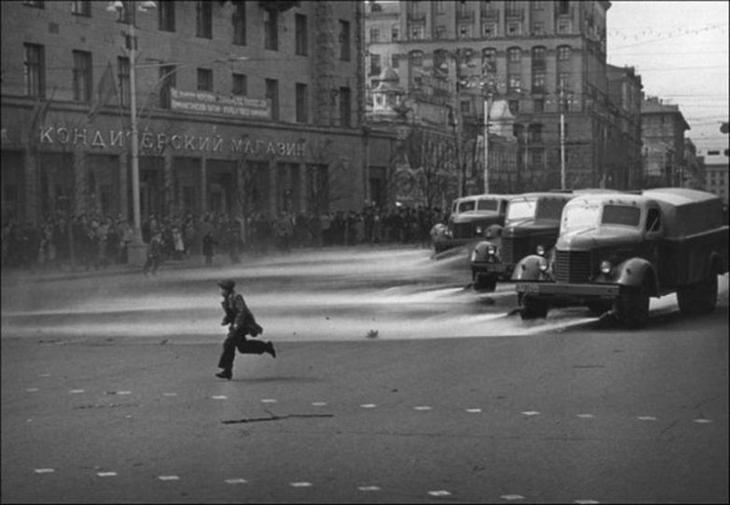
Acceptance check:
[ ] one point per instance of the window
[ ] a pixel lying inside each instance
(514, 106)
(375, 67)
(272, 94)
(205, 79)
(564, 53)
(440, 32)
(345, 107)
(167, 78)
(563, 80)
(489, 60)
(514, 83)
(489, 30)
(536, 158)
(81, 8)
(166, 15)
(538, 105)
(239, 23)
(344, 40)
(564, 26)
(271, 30)
(465, 106)
(464, 31)
(416, 58)
(562, 7)
(534, 132)
(301, 35)
(302, 100)
(82, 77)
(653, 218)
(514, 28)
(35, 70)
(204, 20)
(394, 60)
(538, 28)
(538, 82)
(394, 33)
(374, 34)
(538, 58)
(240, 85)
(123, 79)
(514, 55)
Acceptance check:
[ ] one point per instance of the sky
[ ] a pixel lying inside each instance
(680, 49)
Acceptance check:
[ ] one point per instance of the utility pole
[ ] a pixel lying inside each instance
(487, 106)
(562, 139)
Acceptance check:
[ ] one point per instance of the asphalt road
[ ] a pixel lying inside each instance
(570, 410)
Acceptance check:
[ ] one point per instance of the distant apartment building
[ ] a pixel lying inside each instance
(243, 107)
(663, 127)
(717, 166)
(543, 59)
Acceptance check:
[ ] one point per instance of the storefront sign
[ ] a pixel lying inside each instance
(159, 142)
(211, 103)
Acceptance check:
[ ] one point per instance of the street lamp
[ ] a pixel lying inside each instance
(136, 247)
(564, 101)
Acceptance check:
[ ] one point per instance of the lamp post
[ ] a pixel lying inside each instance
(563, 101)
(487, 107)
(136, 248)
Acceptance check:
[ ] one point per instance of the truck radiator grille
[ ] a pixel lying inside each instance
(513, 250)
(463, 230)
(572, 266)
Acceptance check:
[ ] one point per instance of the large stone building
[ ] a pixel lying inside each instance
(242, 107)
(662, 133)
(717, 171)
(546, 60)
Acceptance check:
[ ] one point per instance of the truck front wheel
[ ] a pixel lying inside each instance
(632, 307)
(485, 282)
(533, 308)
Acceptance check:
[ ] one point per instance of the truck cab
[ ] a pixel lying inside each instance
(469, 219)
(531, 226)
(616, 250)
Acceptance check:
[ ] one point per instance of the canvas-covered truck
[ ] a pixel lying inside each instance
(469, 218)
(616, 250)
(530, 226)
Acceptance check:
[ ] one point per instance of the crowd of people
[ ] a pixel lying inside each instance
(91, 241)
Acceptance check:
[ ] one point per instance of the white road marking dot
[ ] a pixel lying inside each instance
(44, 470)
(511, 497)
(31, 390)
(124, 392)
(268, 400)
(76, 391)
(702, 421)
(474, 411)
(368, 405)
(300, 484)
(29, 420)
(586, 416)
(422, 407)
(368, 488)
(530, 413)
(236, 481)
(169, 394)
(168, 477)
(646, 418)
(319, 404)
(439, 492)
(219, 397)
(586, 501)
(106, 474)
(44, 375)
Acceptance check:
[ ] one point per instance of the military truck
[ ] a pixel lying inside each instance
(531, 226)
(469, 218)
(616, 250)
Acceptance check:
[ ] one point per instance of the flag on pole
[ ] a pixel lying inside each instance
(104, 92)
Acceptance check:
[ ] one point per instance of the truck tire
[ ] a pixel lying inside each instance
(700, 298)
(485, 282)
(632, 306)
(533, 308)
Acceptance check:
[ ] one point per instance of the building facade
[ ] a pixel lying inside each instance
(717, 171)
(242, 107)
(662, 134)
(546, 60)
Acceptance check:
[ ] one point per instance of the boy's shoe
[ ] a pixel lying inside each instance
(225, 374)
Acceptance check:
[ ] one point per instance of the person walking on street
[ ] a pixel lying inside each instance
(241, 322)
(154, 254)
(208, 243)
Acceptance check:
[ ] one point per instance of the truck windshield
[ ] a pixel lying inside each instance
(522, 209)
(487, 204)
(579, 217)
(467, 206)
(621, 214)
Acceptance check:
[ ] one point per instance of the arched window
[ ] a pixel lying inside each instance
(489, 60)
(416, 58)
(538, 58)
(514, 55)
(564, 53)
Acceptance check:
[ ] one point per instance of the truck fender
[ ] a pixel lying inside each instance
(634, 272)
(528, 268)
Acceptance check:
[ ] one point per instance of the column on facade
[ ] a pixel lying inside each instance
(124, 182)
(32, 183)
(171, 202)
(81, 183)
(203, 197)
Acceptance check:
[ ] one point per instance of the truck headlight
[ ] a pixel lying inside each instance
(540, 250)
(491, 250)
(606, 267)
(449, 233)
(478, 231)
(543, 265)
